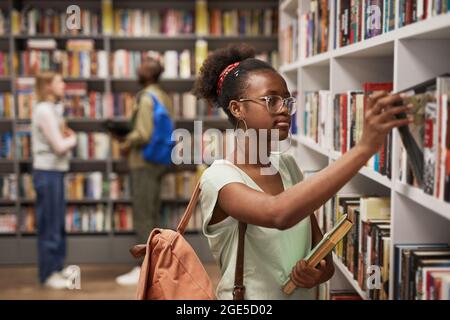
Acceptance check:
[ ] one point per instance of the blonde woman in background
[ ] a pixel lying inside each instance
(51, 142)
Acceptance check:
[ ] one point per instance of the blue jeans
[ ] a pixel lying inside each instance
(50, 218)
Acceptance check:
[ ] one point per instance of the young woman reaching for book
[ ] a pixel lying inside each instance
(277, 208)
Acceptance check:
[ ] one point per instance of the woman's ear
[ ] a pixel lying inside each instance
(235, 109)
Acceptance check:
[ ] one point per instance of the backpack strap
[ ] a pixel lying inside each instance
(239, 288)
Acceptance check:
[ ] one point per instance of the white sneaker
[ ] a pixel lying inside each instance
(66, 272)
(129, 279)
(56, 281)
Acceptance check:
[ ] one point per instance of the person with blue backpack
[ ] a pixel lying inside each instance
(149, 147)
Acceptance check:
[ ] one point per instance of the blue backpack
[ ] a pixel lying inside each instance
(159, 149)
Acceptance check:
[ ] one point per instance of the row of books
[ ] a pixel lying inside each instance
(8, 220)
(235, 21)
(32, 21)
(92, 145)
(78, 186)
(8, 187)
(417, 10)
(86, 219)
(368, 241)
(125, 63)
(178, 185)
(90, 185)
(171, 215)
(422, 271)
(6, 105)
(71, 64)
(4, 64)
(138, 22)
(314, 32)
(425, 152)
(249, 22)
(336, 123)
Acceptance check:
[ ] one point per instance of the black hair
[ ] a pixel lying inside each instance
(235, 82)
(149, 71)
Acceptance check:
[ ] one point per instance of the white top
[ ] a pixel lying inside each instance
(270, 254)
(50, 147)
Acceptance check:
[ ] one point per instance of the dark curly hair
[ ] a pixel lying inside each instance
(235, 82)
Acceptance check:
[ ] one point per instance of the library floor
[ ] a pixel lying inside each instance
(97, 283)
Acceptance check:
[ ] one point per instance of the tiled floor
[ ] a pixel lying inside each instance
(97, 282)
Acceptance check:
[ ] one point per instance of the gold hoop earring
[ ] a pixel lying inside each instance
(290, 144)
(237, 124)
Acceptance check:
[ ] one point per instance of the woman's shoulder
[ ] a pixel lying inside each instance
(219, 173)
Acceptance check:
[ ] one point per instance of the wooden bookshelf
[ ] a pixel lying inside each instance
(406, 56)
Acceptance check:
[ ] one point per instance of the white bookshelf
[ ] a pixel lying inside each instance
(406, 56)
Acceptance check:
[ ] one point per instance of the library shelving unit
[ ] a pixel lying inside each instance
(406, 56)
(110, 246)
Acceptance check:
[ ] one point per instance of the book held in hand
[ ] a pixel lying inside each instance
(323, 248)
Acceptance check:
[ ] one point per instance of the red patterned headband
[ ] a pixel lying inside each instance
(223, 74)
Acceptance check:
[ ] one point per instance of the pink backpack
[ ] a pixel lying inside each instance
(171, 269)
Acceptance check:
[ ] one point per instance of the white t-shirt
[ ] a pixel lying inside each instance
(270, 254)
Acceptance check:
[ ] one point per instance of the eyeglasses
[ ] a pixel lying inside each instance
(275, 103)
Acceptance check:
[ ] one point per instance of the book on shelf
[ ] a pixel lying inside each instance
(25, 97)
(120, 186)
(6, 105)
(26, 188)
(92, 145)
(201, 53)
(107, 17)
(8, 219)
(424, 157)
(317, 117)
(23, 141)
(314, 26)
(6, 146)
(123, 217)
(28, 216)
(201, 17)
(8, 187)
(411, 11)
(51, 21)
(323, 248)
(4, 64)
(80, 186)
(86, 218)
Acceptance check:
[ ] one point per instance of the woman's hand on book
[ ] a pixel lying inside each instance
(305, 276)
(379, 119)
